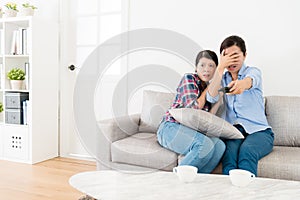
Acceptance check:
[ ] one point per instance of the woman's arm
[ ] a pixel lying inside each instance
(225, 61)
(216, 106)
(202, 99)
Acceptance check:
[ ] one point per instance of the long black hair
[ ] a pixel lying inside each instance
(207, 54)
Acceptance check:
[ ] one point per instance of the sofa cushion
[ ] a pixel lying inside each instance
(143, 149)
(281, 163)
(282, 114)
(155, 105)
(206, 123)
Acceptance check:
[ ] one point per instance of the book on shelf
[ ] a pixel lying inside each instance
(24, 42)
(27, 76)
(19, 42)
(25, 112)
(13, 49)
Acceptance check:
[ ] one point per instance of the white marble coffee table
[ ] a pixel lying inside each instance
(113, 185)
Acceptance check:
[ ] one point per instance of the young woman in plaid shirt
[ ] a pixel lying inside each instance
(199, 150)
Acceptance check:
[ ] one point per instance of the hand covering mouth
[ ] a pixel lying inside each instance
(231, 67)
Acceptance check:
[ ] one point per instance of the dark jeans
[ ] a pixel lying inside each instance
(245, 153)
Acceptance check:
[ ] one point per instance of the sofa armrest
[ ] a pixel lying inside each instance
(120, 127)
(112, 130)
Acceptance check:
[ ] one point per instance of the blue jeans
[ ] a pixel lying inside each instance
(245, 153)
(199, 150)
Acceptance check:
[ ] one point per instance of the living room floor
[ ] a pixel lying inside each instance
(46, 180)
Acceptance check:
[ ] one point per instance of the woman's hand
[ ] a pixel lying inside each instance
(227, 60)
(202, 99)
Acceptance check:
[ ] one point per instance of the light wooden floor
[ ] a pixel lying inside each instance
(46, 180)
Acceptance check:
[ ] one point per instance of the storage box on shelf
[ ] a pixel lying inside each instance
(15, 112)
(29, 123)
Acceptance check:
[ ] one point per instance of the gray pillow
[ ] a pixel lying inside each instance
(282, 114)
(206, 123)
(155, 105)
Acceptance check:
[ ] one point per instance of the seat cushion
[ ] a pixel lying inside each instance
(281, 163)
(142, 149)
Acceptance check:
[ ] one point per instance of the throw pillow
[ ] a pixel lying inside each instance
(155, 105)
(206, 123)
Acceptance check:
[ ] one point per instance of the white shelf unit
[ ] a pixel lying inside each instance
(37, 140)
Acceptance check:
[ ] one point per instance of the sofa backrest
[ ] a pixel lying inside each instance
(155, 104)
(282, 114)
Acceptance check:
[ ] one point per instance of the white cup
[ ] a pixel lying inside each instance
(240, 177)
(185, 173)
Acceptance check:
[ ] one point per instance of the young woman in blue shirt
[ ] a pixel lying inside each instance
(244, 107)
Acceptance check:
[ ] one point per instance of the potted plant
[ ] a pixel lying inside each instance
(1, 107)
(1, 110)
(16, 77)
(11, 10)
(27, 9)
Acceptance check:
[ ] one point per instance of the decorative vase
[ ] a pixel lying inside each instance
(0, 14)
(16, 84)
(10, 13)
(26, 12)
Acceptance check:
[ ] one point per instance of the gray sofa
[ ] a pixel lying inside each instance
(129, 143)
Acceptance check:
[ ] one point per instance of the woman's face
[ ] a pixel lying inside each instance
(206, 69)
(241, 58)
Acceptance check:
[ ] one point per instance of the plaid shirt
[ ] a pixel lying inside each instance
(188, 91)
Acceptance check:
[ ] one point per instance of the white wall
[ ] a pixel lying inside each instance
(270, 28)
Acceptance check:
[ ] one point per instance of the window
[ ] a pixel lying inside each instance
(97, 21)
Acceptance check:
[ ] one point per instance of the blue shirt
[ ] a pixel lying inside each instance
(246, 109)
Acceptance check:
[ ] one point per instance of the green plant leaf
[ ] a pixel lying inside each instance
(16, 74)
(1, 107)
